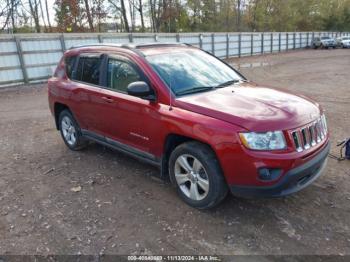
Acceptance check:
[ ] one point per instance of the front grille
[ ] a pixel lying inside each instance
(310, 135)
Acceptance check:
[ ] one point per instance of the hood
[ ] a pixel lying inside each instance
(253, 107)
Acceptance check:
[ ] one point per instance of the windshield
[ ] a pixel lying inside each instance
(192, 71)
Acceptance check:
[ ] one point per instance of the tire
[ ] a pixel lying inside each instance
(70, 131)
(314, 46)
(202, 185)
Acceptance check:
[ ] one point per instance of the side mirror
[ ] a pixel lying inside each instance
(141, 89)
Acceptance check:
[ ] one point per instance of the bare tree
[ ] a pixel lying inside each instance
(156, 7)
(5, 12)
(126, 23)
(139, 8)
(89, 16)
(9, 12)
(42, 15)
(152, 14)
(13, 11)
(34, 11)
(132, 14)
(48, 16)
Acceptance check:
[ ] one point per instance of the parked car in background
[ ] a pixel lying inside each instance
(323, 42)
(343, 41)
(199, 120)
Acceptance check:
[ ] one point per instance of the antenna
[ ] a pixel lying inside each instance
(170, 95)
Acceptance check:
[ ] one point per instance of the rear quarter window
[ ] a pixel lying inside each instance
(88, 70)
(69, 64)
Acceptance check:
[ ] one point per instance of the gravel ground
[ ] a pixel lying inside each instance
(123, 208)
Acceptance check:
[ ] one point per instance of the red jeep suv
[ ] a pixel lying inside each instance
(206, 127)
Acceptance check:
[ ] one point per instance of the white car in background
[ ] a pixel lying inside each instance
(343, 41)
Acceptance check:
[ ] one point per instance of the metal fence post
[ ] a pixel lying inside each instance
(213, 43)
(251, 44)
(63, 43)
(227, 45)
(21, 59)
(262, 43)
(294, 40)
(287, 39)
(200, 36)
(100, 39)
(300, 44)
(177, 38)
(279, 42)
(131, 38)
(271, 50)
(313, 36)
(155, 38)
(239, 45)
(307, 39)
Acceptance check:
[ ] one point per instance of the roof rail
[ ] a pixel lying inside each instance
(97, 44)
(132, 46)
(158, 44)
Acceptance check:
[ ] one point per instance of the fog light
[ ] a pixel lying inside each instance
(267, 174)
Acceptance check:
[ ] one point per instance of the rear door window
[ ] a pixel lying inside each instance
(88, 70)
(70, 62)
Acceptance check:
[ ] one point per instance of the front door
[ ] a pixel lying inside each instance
(130, 120)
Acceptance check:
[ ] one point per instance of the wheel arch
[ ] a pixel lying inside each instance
(58, 108)
(173, 140)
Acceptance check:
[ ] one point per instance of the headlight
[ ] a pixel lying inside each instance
(273, 140)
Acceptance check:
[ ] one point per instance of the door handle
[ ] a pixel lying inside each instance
(107, 99)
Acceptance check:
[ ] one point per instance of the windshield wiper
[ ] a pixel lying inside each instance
(194, 90)
(227, 83)
(206, 88)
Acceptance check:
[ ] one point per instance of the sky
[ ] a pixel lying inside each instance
(52, 13)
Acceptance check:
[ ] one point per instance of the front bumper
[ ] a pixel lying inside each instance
(293, 181)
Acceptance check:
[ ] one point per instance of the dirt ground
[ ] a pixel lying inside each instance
(122, 208)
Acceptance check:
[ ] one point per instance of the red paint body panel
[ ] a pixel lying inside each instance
(214, 117)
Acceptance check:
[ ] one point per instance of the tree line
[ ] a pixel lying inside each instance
(173, 15)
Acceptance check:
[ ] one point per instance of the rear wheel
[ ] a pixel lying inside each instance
(195, 171)
(70, 131)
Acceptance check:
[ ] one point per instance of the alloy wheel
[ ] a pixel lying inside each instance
(68, 130)
(191, 177)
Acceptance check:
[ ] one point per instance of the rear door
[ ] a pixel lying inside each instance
(88, 93)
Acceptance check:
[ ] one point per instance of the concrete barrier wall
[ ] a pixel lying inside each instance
(29, 58)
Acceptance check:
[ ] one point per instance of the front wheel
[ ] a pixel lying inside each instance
(196, 172)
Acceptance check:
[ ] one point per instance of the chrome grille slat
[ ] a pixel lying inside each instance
(297, 141)
(306, 140)
(318, 132)
(310, 135)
